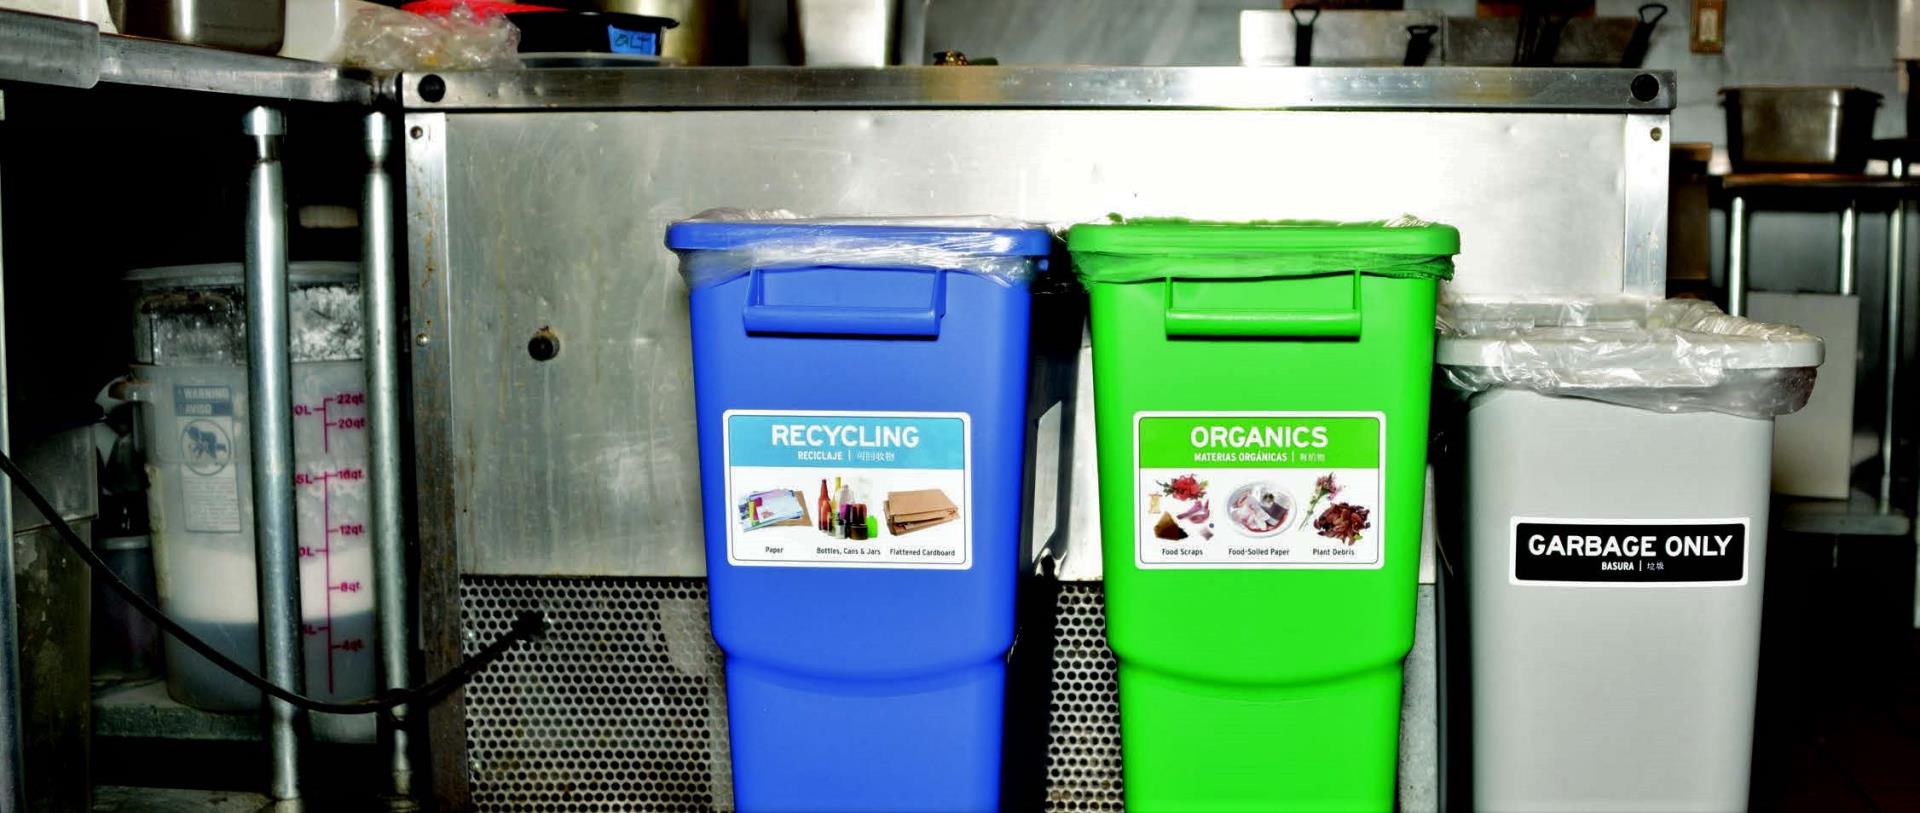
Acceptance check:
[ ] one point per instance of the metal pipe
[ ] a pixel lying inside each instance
(13, 795)
(1849, 248)
(1896, 272)
(383, 428)
(1737, 256)
(270, 412)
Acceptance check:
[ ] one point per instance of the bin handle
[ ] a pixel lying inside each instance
(1236, 323)
(842, 320)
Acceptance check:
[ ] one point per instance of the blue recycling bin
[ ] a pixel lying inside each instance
(862, 394)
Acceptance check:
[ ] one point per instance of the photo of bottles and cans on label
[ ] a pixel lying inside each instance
(849, 489)
(1263, 490)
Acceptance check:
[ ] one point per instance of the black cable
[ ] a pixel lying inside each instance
(529, 625)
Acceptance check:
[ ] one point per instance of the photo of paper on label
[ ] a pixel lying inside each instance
(849, 489)
(1273, 490)
(1652, 552)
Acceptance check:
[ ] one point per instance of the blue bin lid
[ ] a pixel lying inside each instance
(720, 235)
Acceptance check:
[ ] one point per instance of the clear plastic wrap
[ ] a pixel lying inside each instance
(1679, 355)
(1127, 250)
(388, 39)
(992, 247)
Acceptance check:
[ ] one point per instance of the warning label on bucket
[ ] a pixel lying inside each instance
(1261, 490)
(1654, 552)
(209, 482)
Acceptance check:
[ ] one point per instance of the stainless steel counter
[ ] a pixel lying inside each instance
(71, 53)
(1212, 88)
(551, 217)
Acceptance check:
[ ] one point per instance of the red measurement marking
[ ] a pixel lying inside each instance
(314, 629)
(327, 422)
(348, 587)
(326, 523)
(303, 479)
(351, 529)
(350, 645)
(351, 474)
(307, 552)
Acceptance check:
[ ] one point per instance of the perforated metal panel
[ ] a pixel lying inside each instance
(623, 707)
(1083, 748)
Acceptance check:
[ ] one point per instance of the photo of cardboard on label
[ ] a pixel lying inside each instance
(853, 489)
(1259, 490)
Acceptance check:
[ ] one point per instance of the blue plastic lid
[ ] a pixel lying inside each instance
(718, 235)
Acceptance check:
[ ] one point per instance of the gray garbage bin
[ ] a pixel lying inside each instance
(1616, 521)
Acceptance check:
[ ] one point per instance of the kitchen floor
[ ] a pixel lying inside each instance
(1839, 724)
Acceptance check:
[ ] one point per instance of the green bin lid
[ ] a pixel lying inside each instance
(1140, 250)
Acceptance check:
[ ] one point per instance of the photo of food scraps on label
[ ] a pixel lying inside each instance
(1258, 509)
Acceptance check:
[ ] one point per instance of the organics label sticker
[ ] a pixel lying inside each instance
(1261, 490)
(849, 489)
(209, 481)
(1630, 552)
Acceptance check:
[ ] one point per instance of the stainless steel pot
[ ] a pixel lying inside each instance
(1788, 128)
(254, 26)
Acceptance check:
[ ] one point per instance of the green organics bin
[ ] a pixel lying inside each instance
(1261, 400)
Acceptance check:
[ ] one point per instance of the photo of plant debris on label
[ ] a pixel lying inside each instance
(1259, 490)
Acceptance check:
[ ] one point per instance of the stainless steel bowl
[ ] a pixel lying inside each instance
(1790, 128)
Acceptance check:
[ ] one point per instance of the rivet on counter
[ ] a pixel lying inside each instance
(544, 345)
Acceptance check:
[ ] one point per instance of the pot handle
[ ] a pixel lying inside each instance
(1248, 323)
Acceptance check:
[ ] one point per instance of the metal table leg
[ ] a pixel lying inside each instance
(1737, 256)
(270, 410)
(12, 794)
(1896, 272)
(383, 425)
(1849, 248)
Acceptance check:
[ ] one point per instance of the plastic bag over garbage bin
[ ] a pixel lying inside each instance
(1679, 355)
(997, 248)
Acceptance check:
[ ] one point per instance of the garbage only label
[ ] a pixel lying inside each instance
(1649, 553)
(849, 489)
(1259, 490)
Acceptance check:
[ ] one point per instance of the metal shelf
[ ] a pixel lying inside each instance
(69, 53)
(144, 710)
(1859, 516)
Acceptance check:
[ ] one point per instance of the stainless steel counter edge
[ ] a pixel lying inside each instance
(71, 53)
(1464, 89)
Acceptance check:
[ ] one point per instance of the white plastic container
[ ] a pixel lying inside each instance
(190, 341)
(92, 11)
(1615, 558)
(317, 29)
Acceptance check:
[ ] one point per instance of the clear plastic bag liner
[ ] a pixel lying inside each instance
(1000, 249)
(1157, 248)
(389, 39)
(1095, 267)
(1670, 356)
